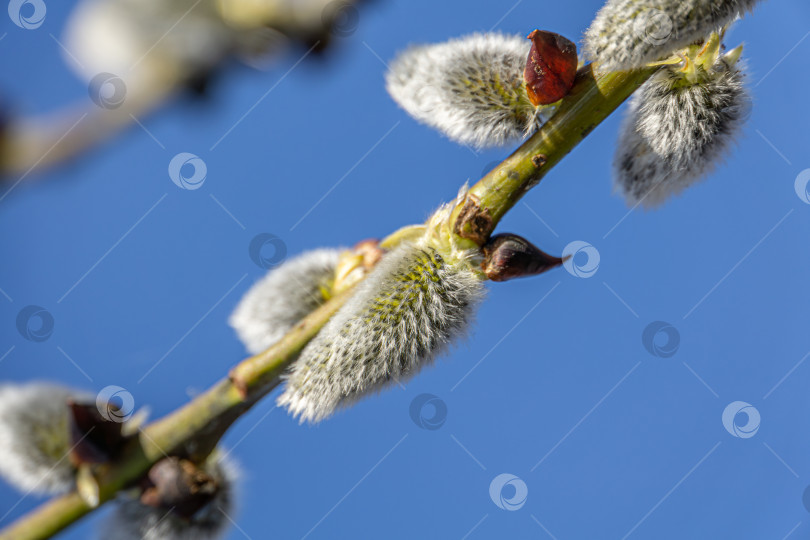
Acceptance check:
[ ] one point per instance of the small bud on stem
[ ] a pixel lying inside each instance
(550, 68)
(180, 501)
(509, 256)
(355, 264)
(180, 485)
(94, 438)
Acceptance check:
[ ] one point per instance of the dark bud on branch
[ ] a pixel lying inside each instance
(94, 438)
(180, 485)
(550, 68)
(509, 256)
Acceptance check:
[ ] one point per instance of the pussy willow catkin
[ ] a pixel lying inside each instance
(628, 34)
(283, 297)
(677, 130)
(35, 437)
(415, 302)
(471, 88)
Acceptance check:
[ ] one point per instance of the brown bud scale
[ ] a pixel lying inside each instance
(94, 438)
(550, 68)
(371, 252)
(180, 485)
(509, 256)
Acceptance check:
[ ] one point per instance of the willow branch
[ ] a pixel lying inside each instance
(194, 430)
(590, 101)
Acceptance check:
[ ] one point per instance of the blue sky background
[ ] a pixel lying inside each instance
(554, 384)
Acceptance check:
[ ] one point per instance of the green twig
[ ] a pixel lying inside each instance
(590, 101)
(194, 430)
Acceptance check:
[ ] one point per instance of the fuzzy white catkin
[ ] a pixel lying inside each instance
(35, 437)
(629, 34)
(137, 38)
(132, 520)
(672, 137)
(283, 297)
(405, 312)
(471, 88)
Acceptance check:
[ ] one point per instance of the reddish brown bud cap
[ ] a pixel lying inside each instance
(508, 256)
(550, 68)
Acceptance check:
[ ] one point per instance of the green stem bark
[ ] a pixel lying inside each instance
(194, 430)
(590, 101)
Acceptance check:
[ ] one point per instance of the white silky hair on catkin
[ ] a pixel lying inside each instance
(673, 137)
(411, 306)
(683, 122)
(283, 297)
(471, 88)
(35, 436)
(132, 520)
(629, 34)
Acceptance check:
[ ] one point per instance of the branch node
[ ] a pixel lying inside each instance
(473, 222)
(538, 160)
(238, 382)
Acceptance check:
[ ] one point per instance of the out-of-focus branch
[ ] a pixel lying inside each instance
(194, 430)
(312, 20)
(31, 145)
